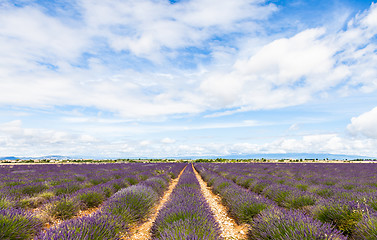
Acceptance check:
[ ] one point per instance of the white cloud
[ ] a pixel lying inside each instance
(324, 143)
(294, 127)
(144, 143)
(145, 27)
(356, 52)
(29, 37)
(17, 140)
(365, 124)
(318, 143)
(167, 140)
(39, 53)
(288, 71)
(284, 61)
(285, 72)
(292, 71)
(370, 19)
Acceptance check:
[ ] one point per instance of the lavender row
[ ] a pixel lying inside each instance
(29, 186)
(67, 206)
(128, 206)
(354, 182)
(105, 219)
(186, 215)
(18, 224)
(266, 219)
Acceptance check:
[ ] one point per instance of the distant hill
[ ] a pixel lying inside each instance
(8, 158)
(55, 157)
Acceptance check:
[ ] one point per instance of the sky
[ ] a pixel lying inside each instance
(159, 78)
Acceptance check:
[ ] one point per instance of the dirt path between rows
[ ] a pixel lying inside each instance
(144, 231)
(229, 228)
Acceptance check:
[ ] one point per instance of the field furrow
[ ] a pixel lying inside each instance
(229, 228)
(143, 231)
(187, 214)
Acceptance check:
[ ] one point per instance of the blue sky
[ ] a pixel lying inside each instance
(153, 78)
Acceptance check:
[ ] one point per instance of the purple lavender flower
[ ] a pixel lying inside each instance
(96, 227)
(280, 224)
(367, 228)
(18, 224)
(131, 204)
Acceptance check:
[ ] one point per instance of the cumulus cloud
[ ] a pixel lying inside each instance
(317, 143)
(288, 71)
(48, 61)
(167, 140)
(294, 127)
(292, 71)
(20, 141)
(144, 143)
(357, 52)
(16, 139)
(31, 40)
(145, 27)
(365, 124)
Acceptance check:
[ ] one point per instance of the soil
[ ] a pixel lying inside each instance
(229, 228)
(51, 222)
(143, 231)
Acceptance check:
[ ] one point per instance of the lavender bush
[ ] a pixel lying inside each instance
(280, 224)
(131, 204)
(367, 228)
(344, 215)
(18, 224)
(5, 202)
(91, 198)
(96, 227)
(64, 208)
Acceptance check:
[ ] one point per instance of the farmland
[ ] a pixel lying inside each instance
(189, 201)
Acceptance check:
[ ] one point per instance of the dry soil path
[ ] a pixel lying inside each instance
(143, 231)
(229, 228)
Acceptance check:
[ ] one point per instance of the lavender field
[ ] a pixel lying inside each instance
(86, 201)
(111, 201)
(299, 201)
